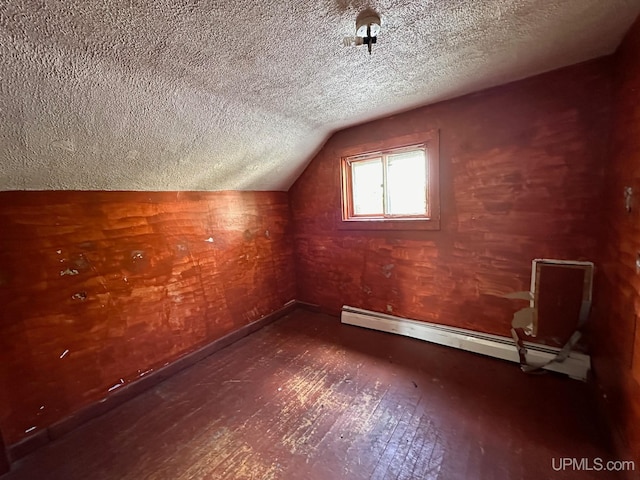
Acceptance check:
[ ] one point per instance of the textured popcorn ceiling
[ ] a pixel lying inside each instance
(215, 95)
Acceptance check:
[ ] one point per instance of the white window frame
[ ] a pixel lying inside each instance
(430, 220)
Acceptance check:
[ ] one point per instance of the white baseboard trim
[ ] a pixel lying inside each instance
(577, 365)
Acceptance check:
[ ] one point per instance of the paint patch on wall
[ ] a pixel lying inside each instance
(386, 270)
(138, 261)
(69, 271)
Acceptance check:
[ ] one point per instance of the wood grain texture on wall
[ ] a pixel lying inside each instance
(617, 361)
(99, 288)
(520, 178)
(4, 459)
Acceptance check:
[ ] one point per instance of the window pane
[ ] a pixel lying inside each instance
(367, 187)
(407, 183)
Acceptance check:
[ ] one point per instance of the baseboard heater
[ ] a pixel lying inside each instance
(577, 365)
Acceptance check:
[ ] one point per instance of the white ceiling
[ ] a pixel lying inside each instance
(238, 94)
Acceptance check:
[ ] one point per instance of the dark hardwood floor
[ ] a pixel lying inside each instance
(310, 398)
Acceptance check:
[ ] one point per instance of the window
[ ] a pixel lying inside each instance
(392, 188)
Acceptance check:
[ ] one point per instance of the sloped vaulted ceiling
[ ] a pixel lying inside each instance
(238, 95)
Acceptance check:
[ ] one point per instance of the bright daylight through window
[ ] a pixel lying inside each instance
(393, 188)
(390, 185)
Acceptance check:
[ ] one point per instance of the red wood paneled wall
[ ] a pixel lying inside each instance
(521, 169)
(4, 459)
(617, 361)
(98, 288)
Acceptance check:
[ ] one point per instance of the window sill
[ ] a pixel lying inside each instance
(389, 224)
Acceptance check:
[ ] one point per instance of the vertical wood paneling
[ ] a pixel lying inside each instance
(521, 174)
(618, 356)
(98, 288)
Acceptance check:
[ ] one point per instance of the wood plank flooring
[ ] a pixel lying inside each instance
(310, 398)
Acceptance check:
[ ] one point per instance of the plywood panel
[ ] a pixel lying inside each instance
(617, 359)
(4, 460)
(521, 169)
(561, 291)
(99, 288)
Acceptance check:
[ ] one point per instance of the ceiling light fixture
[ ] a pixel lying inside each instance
(367, 29)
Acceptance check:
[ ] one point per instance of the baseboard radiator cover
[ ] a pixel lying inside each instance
(577, 365)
